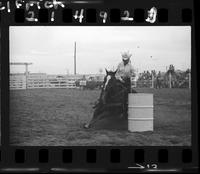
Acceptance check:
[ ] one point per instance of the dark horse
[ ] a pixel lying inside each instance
(112, 101)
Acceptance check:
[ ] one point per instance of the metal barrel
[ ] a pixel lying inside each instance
(140, 112)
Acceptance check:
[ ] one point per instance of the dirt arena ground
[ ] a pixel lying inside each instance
(54, 117)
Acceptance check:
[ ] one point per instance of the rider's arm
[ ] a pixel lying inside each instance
(119, 74)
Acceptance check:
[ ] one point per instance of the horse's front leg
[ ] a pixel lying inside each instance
(98, 111)
(97, 118)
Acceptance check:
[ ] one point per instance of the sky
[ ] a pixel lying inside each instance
(51, 48)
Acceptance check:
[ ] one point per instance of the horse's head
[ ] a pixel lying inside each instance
(108, 84)
(113, 90)
(109, 79)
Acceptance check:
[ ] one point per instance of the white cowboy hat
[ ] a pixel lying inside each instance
(126, 55)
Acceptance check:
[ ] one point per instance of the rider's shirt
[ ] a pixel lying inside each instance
(125, 71)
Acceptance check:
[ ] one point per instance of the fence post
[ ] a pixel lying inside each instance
(170, 80)
(152, 81)
(26, 74)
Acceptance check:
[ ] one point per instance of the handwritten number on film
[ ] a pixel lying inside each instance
(152, 13)
(152, 166)
(55, 4)
(104, 16)
(31, 17)
(126, 16)
(80, 17)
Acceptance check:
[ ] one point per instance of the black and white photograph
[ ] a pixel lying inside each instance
(100, 85)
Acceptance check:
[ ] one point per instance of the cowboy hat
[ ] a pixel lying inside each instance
(126, 55)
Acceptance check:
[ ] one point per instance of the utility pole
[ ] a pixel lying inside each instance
(75, 58)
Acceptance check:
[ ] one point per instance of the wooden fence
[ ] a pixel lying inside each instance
(32, 81)
(17, 81)
(20, 81)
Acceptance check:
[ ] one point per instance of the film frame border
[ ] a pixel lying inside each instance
(116, 157)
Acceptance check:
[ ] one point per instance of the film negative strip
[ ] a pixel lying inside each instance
(99, 86)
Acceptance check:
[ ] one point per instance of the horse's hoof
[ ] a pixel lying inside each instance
(86, 126)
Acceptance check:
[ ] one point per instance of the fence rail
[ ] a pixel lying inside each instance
(21, 81)
(18, 82)
(42, 81)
